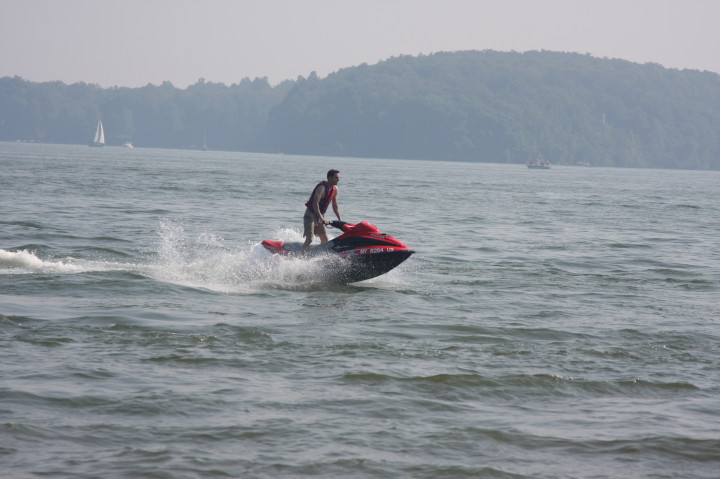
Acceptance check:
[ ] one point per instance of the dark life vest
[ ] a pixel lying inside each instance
(325, 200)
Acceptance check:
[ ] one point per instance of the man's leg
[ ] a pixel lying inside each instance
(321, 231)
(308, 222)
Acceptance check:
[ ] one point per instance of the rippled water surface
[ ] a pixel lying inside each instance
(554, 323)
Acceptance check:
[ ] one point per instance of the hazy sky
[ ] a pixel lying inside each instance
(136, 42)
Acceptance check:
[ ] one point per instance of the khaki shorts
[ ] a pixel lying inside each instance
(312, 227)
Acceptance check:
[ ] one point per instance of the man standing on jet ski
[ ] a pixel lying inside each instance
(324, 194)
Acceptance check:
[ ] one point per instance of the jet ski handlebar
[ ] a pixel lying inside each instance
(338, 224)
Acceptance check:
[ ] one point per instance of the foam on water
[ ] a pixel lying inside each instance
(198, 259)
(19, 259)
(204, 260)
(25, 261)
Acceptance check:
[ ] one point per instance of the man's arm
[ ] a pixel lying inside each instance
(335, 207)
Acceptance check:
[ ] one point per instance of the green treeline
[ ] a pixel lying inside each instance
(465, 106)
(230, 118)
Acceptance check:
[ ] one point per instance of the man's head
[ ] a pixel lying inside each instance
(333, 176)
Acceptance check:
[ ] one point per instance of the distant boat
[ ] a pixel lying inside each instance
(539, 165)
(99, 139)
(127, 144)
(204, 145)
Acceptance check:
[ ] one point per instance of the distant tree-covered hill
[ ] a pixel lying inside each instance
(228, 117)
(466, 106)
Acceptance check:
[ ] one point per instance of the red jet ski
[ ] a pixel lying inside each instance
(361, 252)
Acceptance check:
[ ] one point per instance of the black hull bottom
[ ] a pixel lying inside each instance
(352, 269)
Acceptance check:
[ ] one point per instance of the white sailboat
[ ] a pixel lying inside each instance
(99, 139)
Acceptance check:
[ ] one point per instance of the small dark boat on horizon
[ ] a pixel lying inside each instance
(538, 165)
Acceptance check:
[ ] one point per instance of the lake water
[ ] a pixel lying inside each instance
(557, 323)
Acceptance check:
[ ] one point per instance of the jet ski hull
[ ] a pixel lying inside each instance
(351, 269)
(361, 253)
